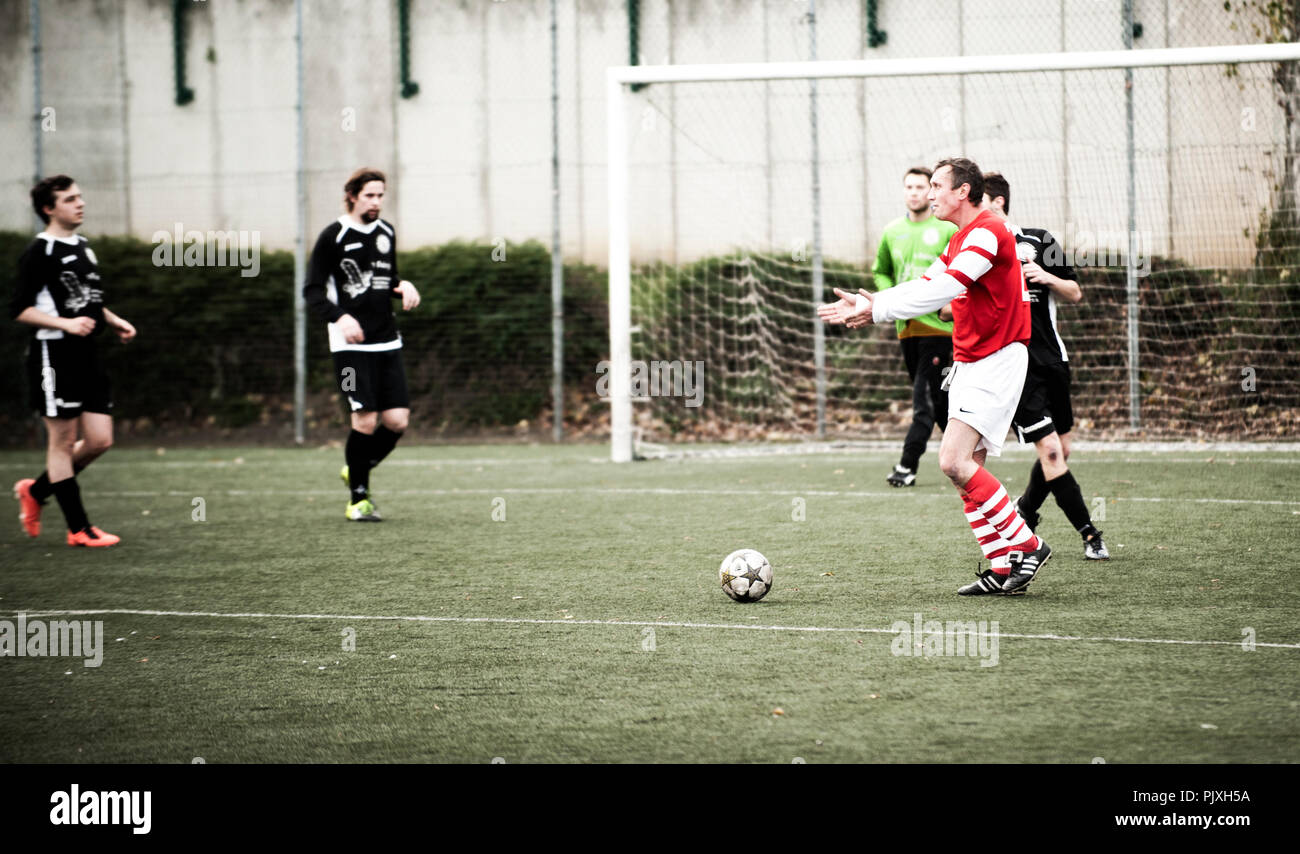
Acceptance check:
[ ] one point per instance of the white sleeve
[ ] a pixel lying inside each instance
(940, 285)
(920, 296)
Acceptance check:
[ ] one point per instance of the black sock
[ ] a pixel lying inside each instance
(357, 452)
(1036, 491)
(1070, 499)
(42, 489)
(68, 494)
(382, 444)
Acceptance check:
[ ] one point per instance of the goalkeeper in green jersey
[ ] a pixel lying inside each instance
(908, 246)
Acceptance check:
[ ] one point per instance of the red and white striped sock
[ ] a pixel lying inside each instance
(987, 497)
(991, 543)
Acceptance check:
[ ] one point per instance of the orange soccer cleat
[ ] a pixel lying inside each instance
(92, 537)
(29, 509)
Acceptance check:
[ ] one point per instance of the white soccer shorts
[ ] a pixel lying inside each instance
(986, 393)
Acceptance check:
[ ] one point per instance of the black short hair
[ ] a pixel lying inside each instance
(359, 179)
(919, 170)
(44, 191)
(965, 171)
(995, 185)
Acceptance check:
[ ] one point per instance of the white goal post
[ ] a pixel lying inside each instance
(620, 79)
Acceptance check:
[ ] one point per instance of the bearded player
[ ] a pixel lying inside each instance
(979, 273)
(350, 286)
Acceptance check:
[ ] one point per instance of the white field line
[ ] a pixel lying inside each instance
(299, 463)
(1076, 461)
(655, 624)
(648, 490)
(1094, 451)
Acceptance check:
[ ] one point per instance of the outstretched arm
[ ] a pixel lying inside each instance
(942, 283)
(917, 297)
(853, 310)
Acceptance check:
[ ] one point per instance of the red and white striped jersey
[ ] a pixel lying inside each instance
(980, 274)
(994, 310)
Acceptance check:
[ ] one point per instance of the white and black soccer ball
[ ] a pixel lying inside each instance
(746, 575)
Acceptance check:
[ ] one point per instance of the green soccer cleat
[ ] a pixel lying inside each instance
(347, 481)
(363, 511)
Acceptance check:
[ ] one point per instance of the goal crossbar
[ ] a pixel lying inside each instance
(945, 65)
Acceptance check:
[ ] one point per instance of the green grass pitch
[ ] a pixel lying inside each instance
(570, 611)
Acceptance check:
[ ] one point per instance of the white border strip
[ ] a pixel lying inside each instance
(655, 624)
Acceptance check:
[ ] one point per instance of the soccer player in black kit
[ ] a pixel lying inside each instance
(351, 282)
(59, 292)
(1045, 416)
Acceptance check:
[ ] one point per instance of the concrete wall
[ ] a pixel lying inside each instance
(469, 156)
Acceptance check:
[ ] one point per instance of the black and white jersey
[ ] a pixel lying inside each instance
(1038, 245)
(353, 270)
(60, 276)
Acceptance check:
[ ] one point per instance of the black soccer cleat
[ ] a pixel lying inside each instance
(1025, 567)
(987, 583)
(901, 476)
(1031, 517)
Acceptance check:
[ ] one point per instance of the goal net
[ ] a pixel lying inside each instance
(740, 195)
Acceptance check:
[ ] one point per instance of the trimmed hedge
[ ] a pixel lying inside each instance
(215, 348)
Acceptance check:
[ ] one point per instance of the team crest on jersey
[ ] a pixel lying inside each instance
(930, 236)
(357, 282)
(79, 295)
(1026, 253)
(383, 244)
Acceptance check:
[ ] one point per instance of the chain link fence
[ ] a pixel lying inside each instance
(179, 119)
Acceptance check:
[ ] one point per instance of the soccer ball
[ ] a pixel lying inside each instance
(746, 575)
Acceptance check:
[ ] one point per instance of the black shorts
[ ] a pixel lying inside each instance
(1045, 403)
(65, 378)
(371, 380)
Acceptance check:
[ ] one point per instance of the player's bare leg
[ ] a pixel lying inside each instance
(957, 452)
(96, 437)
(62, 439)
(392, 424)
(395, 420)
(60, 457)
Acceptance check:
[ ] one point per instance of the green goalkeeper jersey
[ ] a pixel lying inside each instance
(907, 249)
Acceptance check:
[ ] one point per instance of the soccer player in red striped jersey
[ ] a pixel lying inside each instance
(979, 273)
